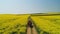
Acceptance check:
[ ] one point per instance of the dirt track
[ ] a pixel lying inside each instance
(31, 30)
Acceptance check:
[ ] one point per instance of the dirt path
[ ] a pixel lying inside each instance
(31, 28)
(28, 30)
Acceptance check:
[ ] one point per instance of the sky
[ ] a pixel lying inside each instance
(29, 6)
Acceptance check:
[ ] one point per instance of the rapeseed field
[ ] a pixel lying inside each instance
(47, 24)
(16, 23)
(13, 24)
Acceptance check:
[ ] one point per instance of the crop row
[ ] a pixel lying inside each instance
(46, 23)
